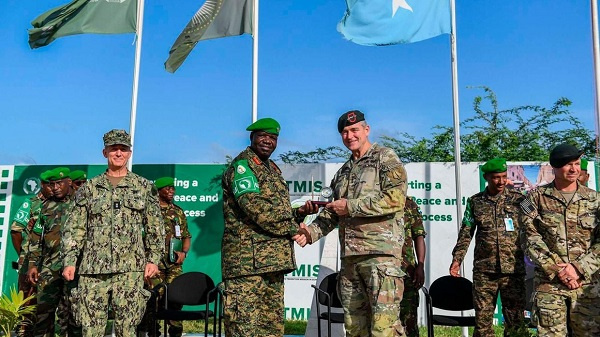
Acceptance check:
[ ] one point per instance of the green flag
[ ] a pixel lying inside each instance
(216, 18)
(81, 17)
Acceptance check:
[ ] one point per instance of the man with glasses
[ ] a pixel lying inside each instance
(44, 258)
(114, 235)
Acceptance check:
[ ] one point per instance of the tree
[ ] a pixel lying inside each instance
(525, 133)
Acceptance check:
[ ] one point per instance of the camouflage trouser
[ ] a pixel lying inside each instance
(51, 290)
(576, 311)
(370, 289)
(175, 327)
(486, 287)
(25, 328)
(254, 306)
(124, 292)
(408, 308)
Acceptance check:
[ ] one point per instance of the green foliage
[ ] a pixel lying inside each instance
(14, 310)
(525, 133)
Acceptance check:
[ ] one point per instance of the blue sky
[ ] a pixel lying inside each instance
(57, 101)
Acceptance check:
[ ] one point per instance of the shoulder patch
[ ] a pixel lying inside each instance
(527, 206)
(244, 180)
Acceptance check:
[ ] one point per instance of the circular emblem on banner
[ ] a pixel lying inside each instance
(32, 185)
(241, 169)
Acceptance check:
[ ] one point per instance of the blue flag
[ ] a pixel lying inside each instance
(385, 22)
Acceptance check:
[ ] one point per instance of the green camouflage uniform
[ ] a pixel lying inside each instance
(172, 216)
(44, 254)
(29, 208)
(553, 232)
(371, 237)
(498, 263)
(413, 228)
(103, 238)
(257, 249)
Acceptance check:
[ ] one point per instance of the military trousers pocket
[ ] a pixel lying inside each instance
(140, 300)
(549, 310)
(74, 302)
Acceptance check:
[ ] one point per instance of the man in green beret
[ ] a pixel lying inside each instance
(492, 216)
(45, 264)
(177, 246)
(78, 178)
(561, 236)
(258, 246)
(30, 209)
(584, 176)
(102, 241)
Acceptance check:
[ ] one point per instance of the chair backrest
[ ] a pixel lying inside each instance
(452, 293)
(190, 289)
(329, 285)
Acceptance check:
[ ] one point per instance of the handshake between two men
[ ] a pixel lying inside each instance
(339, 207)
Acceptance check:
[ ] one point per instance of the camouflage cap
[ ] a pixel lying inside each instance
(58, 173)
(584, 164)
(78, 175)
(562, 154)
(268, 125)
(117, 137)
(349, 118)
(495, 165)
(164, 182)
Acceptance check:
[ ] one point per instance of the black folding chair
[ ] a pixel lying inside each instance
(326, 295)
(452, 294)
(193, 288)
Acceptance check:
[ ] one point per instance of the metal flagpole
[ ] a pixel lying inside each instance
(136, 76)
(596, 49)
(255, 63)
(456, 118)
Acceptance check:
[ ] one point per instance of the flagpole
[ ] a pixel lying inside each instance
(255, 62)
(596, 50)
(136, 75)
(456, 118)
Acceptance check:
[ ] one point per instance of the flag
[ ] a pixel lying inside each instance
(386, 22)
(84, 17)
(215, 19)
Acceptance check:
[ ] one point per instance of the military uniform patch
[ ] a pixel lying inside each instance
(244, 180)
(527, 206)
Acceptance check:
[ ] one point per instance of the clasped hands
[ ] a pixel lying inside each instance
(569, 276)
(302, 237)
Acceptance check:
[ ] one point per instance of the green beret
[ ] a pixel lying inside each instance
(44, 176)
(584, 164)
(268, 125)
(117, 137)
(58, 173)
(78, 175)
(495, 165)
(164, 182)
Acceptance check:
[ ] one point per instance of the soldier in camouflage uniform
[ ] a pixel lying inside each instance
(45, 264)
(498, 265)
(103, 239)
(175, 227)
(414, 268)
(78, 178)
(19, 234)
(370, 193)
(561, 236)
(258, 246)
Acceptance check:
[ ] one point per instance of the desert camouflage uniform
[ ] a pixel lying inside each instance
(28, 209)
(172, 215)
(44, 254)
(498, 262)
(555, 232)
(371, 237)
(257, 249)
(413, 227)
(103, 238)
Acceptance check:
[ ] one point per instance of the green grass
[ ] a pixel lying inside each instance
(299, 327)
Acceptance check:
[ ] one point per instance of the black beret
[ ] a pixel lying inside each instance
(562, 154)
(349, 118)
